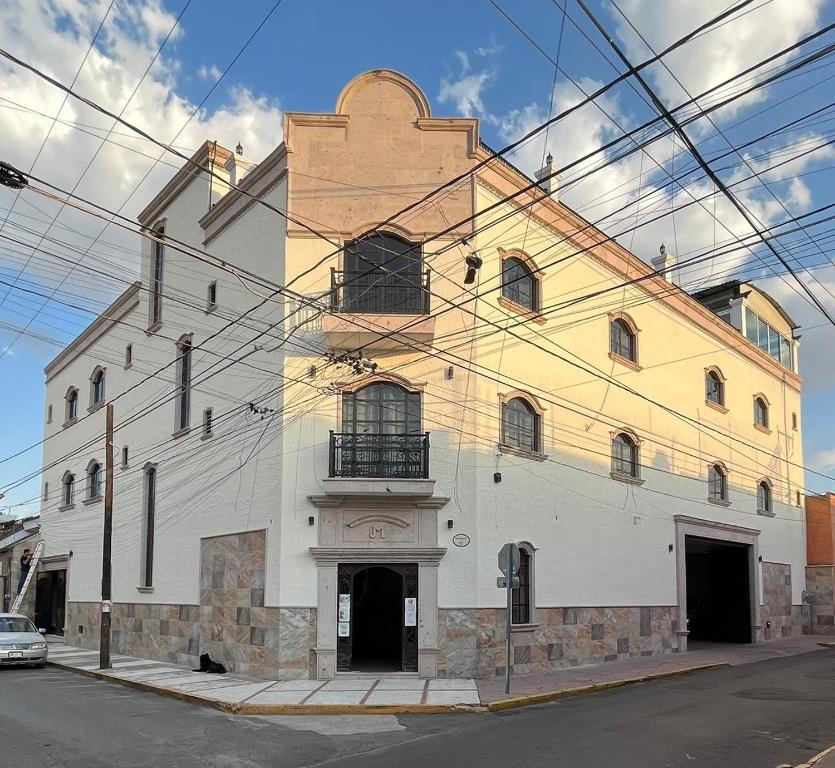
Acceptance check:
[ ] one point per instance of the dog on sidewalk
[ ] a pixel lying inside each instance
(207, 665)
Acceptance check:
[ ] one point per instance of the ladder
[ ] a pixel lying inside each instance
(33, 567)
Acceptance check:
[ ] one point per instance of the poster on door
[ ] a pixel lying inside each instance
(343, 629)
(410, 613)
(344, 610)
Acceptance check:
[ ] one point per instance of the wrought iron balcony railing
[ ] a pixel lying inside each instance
(378, 455)
(379, 292)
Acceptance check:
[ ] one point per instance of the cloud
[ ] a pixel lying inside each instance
(464, 91)
(711, 58)
(210, 72)
(54, 36)
(823, 461)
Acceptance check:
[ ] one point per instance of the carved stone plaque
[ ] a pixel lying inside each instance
(378, 528)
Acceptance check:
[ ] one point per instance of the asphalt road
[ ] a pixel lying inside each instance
(765, 714)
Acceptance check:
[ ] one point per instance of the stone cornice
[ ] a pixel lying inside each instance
(502, 179)
(381, 501)
(237, 201)
(713, 524)
(125, 304)
(334, 555)
(208, 151)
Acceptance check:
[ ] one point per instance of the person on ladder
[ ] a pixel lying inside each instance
(25, 565)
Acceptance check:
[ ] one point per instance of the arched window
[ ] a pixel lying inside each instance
(68, 489)
(381, 434)
(714, 387)
(717, 481)
(623, 341)
(761, 412)
(148, 515)
(94, 480)
(522, 596)
(157, 271)
(625, 461)
(183, 400)
(72, 404)
(383, 273)
(520, 425)
(519, 284)
(764, 506)
(97, 387)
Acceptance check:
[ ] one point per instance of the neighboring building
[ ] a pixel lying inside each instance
(298, 514)
(16, 536)
(820, 571)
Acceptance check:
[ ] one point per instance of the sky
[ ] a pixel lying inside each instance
(168, 75)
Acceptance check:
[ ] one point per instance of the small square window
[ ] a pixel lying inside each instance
(211, 296)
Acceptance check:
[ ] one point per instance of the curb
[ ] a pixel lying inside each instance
(817, 758)
(387, 709)
(276, 709)
(544, 698)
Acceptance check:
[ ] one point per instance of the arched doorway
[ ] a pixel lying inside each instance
(377, 633)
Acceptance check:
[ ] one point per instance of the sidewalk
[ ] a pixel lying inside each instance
(404, 694)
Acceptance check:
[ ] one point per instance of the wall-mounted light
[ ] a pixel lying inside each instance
(311, 520)
(760, 558)
(497, 477)
(449, 523)
(670, 548)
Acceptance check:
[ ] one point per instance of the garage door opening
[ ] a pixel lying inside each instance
(718, 590)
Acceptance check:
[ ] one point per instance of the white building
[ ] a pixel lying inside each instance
(296, 514)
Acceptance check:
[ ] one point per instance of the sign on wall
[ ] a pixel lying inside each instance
(410, 613)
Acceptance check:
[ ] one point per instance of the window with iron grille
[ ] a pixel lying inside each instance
(760, 412)
(764, 497)
(520, 425)
(623, 340)
(625, 456)
(149, 513)
(715, 388)
(519, 284)
(717, 483)
(383, 273)
(521, 595)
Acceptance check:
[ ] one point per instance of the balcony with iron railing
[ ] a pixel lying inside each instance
(374, 455)
(379, 310)
(379, 292)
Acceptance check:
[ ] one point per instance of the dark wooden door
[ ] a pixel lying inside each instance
(358, 581)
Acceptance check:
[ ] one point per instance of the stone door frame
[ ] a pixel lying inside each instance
(711, 529)
(328, 560)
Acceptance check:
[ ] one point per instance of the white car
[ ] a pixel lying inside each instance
(20, 641)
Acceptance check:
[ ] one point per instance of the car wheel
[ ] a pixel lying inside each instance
(40, 665)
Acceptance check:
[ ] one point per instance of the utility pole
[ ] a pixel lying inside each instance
(104, 642)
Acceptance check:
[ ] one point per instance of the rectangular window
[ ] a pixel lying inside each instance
(211, 296)
(128, 355)
(148, 527)
(156, 279)
(184, 385)
(207, 422)
(785, 352)
(124, 457)
(49, 414)
(794, 421)
(750, 325)
(797, 498)
(45, 491)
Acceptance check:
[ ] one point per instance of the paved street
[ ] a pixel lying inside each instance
(764, 714)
